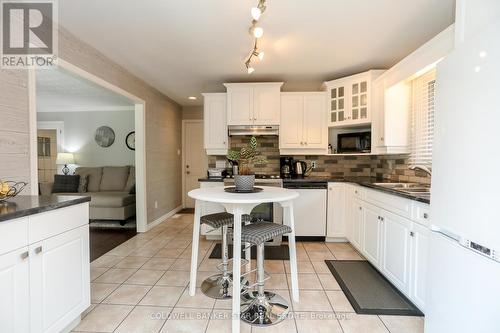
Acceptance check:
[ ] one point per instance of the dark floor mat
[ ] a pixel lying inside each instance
(368, 291)
(104, 240)
(186, 211)
(270, 252)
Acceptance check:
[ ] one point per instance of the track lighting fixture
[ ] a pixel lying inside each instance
(257, 32)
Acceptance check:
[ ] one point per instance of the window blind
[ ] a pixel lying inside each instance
(422, 119)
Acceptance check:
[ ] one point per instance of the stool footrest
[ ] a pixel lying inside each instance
(230, 261)
(266, 277)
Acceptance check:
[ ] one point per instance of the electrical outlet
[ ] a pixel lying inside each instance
(156, 204)
(313, 164)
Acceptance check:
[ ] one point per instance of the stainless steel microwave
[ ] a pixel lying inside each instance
(356, 142)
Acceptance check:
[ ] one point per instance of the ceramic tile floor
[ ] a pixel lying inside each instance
(141, 286)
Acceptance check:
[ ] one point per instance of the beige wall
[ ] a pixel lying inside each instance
(14, 126)
(163, 124)
(192, 112)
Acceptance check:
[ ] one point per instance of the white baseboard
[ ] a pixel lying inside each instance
(336, 240)
(163, 218)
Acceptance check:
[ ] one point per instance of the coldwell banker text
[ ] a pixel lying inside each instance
(29, 34)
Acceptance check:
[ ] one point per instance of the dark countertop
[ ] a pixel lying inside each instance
(362, 181)
(366, 182)
(24, 205)
(206, 179)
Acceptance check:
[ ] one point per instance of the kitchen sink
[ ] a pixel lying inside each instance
(409, 188)
(403, 185)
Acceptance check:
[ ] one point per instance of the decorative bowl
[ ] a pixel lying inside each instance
(9, 189)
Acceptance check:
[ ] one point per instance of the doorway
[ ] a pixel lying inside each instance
(137, 106)
(195, 160)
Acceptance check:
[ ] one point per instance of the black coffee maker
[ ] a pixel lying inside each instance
(286, 167)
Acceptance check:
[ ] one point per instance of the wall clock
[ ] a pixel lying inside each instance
(104, 136)
(130, 141)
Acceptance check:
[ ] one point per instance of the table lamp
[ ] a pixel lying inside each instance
(65, 158)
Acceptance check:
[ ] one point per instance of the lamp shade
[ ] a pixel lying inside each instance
(65, 158)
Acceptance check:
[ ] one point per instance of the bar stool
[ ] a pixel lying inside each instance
(260, 307)
(217, 286)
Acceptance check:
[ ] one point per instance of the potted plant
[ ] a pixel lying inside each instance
(246, 157)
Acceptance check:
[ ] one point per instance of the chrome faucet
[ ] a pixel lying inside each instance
(421, 167)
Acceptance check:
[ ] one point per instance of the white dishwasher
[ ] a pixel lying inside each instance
(310, 207)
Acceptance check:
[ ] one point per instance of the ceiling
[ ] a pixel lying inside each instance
(184, 48)
(60, 91)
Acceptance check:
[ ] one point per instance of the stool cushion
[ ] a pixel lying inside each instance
(258, 233)
(218, 220)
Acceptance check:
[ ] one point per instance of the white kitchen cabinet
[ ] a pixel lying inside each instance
(371, 232)
(292, 122)
(336, 217)
(14, 291)
(45, 280)
(350, 99)
(303, 128)
(253, 103)
(357, 224)
(396, 240)
(390, 124)
(215, 124)
(266, 104)
(59, 280)
(420, 242)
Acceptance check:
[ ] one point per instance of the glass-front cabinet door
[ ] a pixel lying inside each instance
(337, 104)
(359, 101)
(349, 99)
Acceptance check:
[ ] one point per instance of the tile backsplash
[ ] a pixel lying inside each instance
(391, 167)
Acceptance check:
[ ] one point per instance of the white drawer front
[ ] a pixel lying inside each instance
(390, 202)
(15, 234)
(54, 222)
(421, 213)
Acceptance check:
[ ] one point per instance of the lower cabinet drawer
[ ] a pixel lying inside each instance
(45, 225)
(389, 202)
(17, 231)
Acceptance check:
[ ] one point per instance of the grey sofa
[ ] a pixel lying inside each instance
(109, 189)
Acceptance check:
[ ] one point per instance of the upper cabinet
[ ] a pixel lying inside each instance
(253, 103)
(391, 110)
(350, 99)
(215, 124)
(303, 128)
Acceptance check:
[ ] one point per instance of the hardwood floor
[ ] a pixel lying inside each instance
(103, 240)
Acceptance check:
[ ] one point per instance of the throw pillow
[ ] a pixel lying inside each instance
(83, 184)
(66, 184)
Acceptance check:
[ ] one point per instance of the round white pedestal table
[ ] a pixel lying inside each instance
(239, 204)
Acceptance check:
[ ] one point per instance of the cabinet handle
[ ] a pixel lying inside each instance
(381, 219)
(359, 208)
(254, 118)
(25, 255)
(381, 138)
(187, 166)
(412, 234)
(356, 192)
(38, 250)
(223, 142)
(305, 143)
(426, 215)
